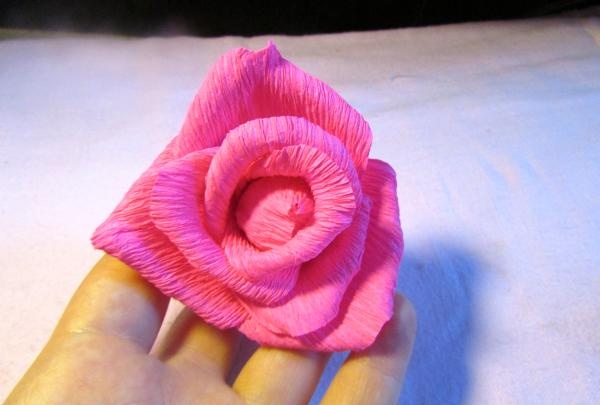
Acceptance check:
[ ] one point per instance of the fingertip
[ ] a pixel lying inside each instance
(405, 319)
(397, 335)
(376, 375)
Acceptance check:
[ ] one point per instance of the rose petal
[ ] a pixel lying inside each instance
(288, 146)
(130, 235)
(368, 303)
(271, 210)
(177, 209)
(273, 287)
(321, 284)
(334, 207)
(244, 85)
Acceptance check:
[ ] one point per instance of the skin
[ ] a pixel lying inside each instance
(100, 353)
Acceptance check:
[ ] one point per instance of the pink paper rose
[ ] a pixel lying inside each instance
(265, 213)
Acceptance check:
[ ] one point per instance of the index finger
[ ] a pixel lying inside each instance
(114, 299)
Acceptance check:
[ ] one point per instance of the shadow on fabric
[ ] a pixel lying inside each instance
(440, 279)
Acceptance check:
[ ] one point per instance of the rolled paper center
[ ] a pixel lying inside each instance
(271, 210)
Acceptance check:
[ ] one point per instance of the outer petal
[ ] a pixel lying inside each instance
(368, 303)
(177, 209)
(245, 85)
(130, 235)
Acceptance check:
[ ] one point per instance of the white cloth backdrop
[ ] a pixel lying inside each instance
(493, 129)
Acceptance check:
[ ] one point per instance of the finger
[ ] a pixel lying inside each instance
(277, 376)
(115, 300)
(191, 344)
(376, 375)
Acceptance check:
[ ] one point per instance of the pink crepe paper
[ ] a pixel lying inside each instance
(265, 213)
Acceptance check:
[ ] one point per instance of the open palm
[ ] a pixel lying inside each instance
(101, 352)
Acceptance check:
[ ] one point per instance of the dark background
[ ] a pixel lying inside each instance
(211, 18)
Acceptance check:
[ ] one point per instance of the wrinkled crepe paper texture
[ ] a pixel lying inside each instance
(265, 212)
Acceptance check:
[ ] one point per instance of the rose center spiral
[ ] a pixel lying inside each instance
(271, 210)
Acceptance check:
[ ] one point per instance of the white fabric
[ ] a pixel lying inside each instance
(493, 129)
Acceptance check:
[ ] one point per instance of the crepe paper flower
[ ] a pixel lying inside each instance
(265, 212)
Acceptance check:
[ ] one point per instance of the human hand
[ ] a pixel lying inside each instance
(100, 353)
